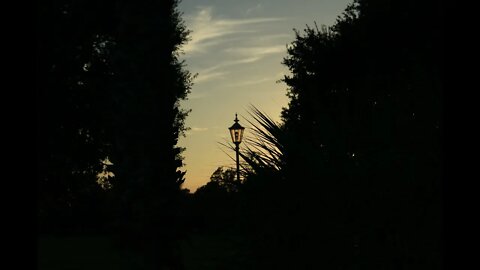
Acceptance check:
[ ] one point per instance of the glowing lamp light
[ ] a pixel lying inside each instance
(236, 131)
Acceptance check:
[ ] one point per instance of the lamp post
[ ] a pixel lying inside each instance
(236, 131)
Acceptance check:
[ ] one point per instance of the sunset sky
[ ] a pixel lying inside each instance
(236, 48)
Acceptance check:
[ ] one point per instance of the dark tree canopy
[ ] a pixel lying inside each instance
(72, 76)
(109, 86)
(356, 164)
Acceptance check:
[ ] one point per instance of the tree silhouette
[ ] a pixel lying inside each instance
(215, 202)
(72, 72)
(109, 87)
(226, 178)
(366, 95)
(355, 167)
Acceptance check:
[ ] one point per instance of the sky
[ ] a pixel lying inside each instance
(236, 48)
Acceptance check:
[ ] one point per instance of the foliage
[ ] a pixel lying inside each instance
(215, 203)
(110, 84)
(225, 178)
(356, 164)
(72, 65)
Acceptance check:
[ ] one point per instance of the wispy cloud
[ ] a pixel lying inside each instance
(251, 82)
(208, 31)
(208, 76)
(195, 130)
(222, 43)
(218, 71)
(199, 129)
(272, 37)
(256, 8)
(257, 51)
(273, 79)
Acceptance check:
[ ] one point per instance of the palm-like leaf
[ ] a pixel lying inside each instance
(264, 148)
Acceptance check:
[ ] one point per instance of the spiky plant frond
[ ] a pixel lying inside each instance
(265, 147)
(264, 144)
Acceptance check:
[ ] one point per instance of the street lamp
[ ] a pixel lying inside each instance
(236, 131)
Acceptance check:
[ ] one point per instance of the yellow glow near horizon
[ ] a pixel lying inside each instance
(237, 49)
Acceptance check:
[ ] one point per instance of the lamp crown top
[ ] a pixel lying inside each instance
(236, 125)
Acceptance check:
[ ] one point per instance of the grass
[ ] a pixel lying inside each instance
(215, 251)
(82, 252)
(202, 251)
